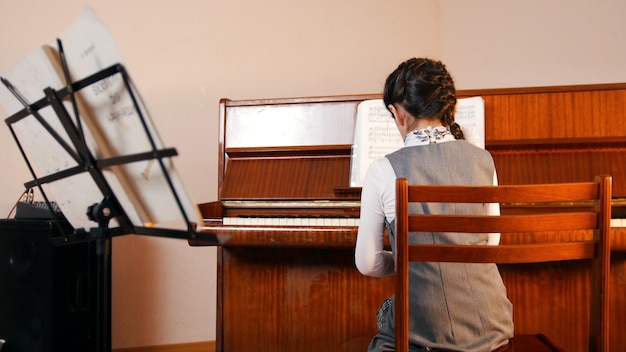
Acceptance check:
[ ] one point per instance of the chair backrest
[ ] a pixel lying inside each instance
(580, 206)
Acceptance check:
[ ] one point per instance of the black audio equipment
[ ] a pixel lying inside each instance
(47, 292)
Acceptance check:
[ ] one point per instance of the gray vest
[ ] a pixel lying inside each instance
(453, 306)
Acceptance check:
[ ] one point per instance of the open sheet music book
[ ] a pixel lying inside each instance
(111, 124)
(376, 134)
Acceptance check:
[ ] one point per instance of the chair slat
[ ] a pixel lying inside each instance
(503, 254)
(504, 223)
(555, 192)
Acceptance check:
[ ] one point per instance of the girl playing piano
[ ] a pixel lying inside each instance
(474, 314)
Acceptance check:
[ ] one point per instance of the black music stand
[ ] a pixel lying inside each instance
(109, 207)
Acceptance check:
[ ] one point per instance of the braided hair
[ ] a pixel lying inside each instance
(424, 88)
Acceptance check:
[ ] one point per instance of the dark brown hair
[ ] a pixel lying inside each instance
(424, 88)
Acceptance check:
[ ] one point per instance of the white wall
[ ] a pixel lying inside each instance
(495, 44)
(185, 55)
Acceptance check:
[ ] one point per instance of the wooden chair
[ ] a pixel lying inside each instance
(594, 215)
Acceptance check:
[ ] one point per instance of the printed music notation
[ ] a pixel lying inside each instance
(375, 136)
(470, 114)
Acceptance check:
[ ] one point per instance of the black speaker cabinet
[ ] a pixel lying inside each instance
(47, 293)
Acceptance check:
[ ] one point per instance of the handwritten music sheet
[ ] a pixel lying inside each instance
(114, 128)
(47, 155)
(377, 135)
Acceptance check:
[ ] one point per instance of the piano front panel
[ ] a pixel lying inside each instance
(564, 165)
(286, 178)
(304, 299)
(557, 134)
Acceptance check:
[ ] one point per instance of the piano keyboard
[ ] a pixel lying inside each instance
(292, 221)
(618, 222)
(295, 221)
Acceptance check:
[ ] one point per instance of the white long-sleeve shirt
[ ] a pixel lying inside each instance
(378, 203)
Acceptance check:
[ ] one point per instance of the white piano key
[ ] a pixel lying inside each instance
(618, 222)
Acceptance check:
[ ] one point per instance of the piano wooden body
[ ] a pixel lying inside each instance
(287, 280)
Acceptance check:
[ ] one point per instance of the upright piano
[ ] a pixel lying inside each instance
(287, 280)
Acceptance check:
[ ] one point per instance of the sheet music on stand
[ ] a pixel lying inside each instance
(88, 141)
(65, 131)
